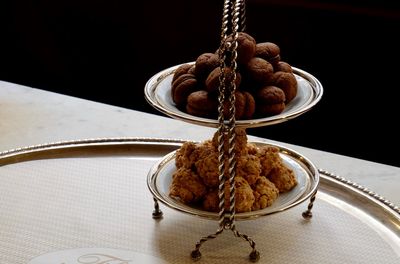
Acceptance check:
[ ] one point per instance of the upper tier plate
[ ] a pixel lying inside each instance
(158, 94)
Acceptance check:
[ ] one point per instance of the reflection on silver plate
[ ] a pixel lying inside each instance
(160, 178)
(158, 94)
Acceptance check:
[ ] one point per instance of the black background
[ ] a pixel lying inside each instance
(106, 51)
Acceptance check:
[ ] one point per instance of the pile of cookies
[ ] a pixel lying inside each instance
(264, 83)
(261, 175)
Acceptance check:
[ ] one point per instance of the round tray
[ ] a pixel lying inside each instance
(64, 202)
(158, 94)
(160, 177)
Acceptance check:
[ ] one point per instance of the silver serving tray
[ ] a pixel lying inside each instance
(158, 94)
(106, 206)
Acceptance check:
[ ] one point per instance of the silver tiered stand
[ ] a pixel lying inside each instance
(157, 93)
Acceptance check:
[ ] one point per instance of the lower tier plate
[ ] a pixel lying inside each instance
(87, 201)
(160, 178)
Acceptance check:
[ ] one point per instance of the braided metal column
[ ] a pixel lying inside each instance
(226, 128)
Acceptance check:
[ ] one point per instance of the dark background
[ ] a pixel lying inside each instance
(106, 51)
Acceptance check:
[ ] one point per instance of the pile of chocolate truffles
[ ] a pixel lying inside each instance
(264, 83)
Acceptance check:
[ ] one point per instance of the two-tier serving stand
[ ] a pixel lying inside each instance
(157, 92)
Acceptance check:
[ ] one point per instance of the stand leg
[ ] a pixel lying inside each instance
(157, 213)
(196, 254)
(254, 255)
(308, 214)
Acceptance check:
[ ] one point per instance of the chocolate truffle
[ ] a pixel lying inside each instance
(200, 103)
(268, 51)
(205, 63)
(287, 82)
(240, 105)
(270, 100)
(282, 66)
(250, 107)
(212, 81)
(182, 87)
(246, 47)
(182, 69)
(259, 71)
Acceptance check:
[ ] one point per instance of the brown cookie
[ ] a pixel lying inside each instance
(245, 106)
(205, 63)
(240, 106)
(259, 71)
(287, 82)
(282, 66)
(212, 81)
(192, 69)
(182, 87)
(182, 69)
(250, 106)
(200, 103)
(268, 51)
(246, 47)
(270, 101)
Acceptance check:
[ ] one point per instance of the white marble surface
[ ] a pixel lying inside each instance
(31, 116)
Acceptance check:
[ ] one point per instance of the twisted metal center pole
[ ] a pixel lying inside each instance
(226, 127)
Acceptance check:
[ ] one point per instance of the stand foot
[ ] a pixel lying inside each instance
(308, 214)
(157, 213)
(195, 255)
(254, 256)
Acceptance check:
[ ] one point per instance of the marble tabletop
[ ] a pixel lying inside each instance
(30, 116)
